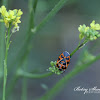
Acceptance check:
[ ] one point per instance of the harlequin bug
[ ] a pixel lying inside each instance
(63, 61)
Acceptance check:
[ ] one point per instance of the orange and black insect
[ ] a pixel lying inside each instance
(63, 61)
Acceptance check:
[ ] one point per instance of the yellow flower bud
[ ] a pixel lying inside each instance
(17, 19)
(86, 29)
(95, 26)
(3, 11)
(80, 28)
(15, 11)
(19, 12)
(6, 23)
(11, 15)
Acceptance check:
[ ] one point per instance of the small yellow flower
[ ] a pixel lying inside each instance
(86, 29)
(11, 15)
(95, 26)
(80, 28)
(19, 12)
(18, 20)
(6, 23)
(15, 11)
(83, 28)
(15, 23)
(3, 11)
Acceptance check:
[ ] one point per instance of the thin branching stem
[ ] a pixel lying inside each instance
(32, 8)
(5, 62)
(2, 40)
(11, 85)
(57, 7)
(34, 76)
(22, 74)
(26, 47)
(79, 46)
(60, 85)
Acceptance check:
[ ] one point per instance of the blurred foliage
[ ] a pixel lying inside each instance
(58, 35)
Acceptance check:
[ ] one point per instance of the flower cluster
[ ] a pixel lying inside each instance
(54, 69)
(89, 33)
(11, 17)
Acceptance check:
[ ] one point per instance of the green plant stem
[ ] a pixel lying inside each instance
(46, 19)
(24, 89)
(22, 74)
(2, 44)
(79, 46)
(34, 76)
(57, 7)
(35, 5)
(2, 31)
(60, 85)
(15, 77)
(26, 47)
(24, 82)
(2, 35)
(11, 85)
(32, 9)
(5, 62)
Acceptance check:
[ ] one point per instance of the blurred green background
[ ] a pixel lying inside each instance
(58, 35)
